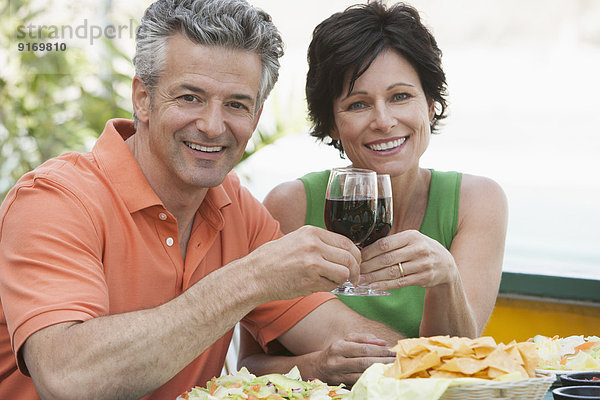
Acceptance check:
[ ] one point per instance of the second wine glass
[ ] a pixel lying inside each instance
(383, 226)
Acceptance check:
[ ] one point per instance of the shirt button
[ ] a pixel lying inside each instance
(169, 241)
(162, 216)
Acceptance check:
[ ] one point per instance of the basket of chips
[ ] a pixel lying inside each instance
(530, 388)
(452, 368)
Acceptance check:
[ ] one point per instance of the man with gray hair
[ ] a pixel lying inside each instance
(124, 270)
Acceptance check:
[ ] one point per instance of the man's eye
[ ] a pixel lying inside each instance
(188, 98)
(238, 106)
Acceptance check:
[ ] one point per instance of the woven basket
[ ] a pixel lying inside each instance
(530, 389)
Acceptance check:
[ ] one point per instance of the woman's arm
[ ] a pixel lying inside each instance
(478, 252)
(287, 204)
(462, 284)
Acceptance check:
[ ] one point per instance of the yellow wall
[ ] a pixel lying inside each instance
(521, 319)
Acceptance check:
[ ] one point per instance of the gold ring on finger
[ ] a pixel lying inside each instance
(401, 268)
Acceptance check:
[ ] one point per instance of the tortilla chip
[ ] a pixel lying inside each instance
(422, 362)
(463, 349)
(530, 356)
(483, 352)
(421, 374)
(443, 341)
(501, 360)
(441, 351)
(515, 354)
(483, 342)
(404, 346)
(494, 373)
(464, 365)
(483, 374)
(416, 350)
(436, 373)
(394, 370)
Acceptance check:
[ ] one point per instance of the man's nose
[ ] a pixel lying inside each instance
(212, 120)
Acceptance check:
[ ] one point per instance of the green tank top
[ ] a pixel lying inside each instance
(403, 309)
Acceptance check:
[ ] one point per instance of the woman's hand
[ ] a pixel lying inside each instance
(407, 258)
(346, 359)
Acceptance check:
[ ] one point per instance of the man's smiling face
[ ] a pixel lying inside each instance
(202, 113)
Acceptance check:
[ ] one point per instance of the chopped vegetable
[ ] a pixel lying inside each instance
(573, 353)
(243, 385)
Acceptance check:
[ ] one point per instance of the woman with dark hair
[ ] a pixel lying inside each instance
(376, 91)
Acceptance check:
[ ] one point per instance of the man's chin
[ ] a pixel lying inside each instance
(207, 181)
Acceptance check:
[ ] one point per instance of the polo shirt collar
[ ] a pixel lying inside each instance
(126, 176)
(210, 210)
(121, 167)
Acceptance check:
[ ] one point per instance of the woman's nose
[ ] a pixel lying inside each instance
(383, 119)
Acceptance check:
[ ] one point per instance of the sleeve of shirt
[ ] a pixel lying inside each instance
(50, 260)
(268, 321)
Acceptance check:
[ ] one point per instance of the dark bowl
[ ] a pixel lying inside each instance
(577, 392)
(580, 379)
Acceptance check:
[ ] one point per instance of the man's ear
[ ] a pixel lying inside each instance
(257, 117)
(140, 97)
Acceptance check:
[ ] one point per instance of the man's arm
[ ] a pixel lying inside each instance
(132, 354)
(333, 343)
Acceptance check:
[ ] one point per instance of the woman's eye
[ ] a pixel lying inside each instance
(356, 106)
(401, 96)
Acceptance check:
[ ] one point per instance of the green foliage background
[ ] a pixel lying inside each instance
(57, 101)
(47, 104)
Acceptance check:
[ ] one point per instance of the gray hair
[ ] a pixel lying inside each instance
(228, 23)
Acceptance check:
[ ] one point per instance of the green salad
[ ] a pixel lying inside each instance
(573, 353)
(243, 385)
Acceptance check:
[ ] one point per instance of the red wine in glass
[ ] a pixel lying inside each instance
(353, 218)
(383, 221)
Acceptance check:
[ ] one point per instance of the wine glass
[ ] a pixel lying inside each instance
(350, 205)
(383, 224)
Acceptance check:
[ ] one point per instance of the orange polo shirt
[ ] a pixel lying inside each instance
(84, 235)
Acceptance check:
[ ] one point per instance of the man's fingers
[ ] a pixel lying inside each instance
(338, 241)
(353, 350)
(365, 338)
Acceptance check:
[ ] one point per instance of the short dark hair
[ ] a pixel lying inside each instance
(346, 43)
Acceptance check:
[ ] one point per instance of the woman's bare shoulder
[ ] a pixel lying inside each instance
(287, 203)
(481, 196)
(476, 186)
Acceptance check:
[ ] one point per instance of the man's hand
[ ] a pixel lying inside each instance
(302, 262)
(346, 359)
(333, 343)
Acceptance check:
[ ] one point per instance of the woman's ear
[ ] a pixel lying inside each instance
(431, 110)
(140, 97)
(334, 134)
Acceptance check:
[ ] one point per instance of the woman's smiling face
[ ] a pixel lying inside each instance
(384, 123)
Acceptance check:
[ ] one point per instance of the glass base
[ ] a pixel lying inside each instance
(349, 289)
